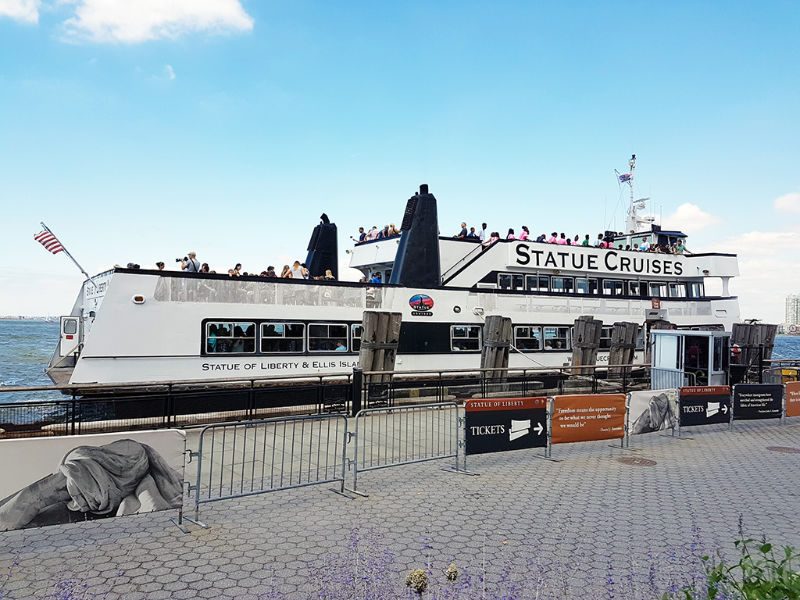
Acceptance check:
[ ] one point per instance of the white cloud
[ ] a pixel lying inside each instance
(26, 11)
(788, 203)
(130, 22)
(767, 266)
(169, 72)
(689, 218)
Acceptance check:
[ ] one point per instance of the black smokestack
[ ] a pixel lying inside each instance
(417, 261)
(323, 249)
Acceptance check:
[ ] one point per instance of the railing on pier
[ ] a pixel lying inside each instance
(152, 405)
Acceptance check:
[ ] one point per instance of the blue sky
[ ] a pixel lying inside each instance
(228, 127)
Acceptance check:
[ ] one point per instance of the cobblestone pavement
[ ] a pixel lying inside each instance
(577, 523)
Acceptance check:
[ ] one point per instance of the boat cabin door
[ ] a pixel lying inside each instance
(70, 335)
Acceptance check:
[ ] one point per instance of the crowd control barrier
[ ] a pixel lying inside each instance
(255, 457)
(793, 399)
(390, 437)
(589, 417)
(704, 405)
(757, 401)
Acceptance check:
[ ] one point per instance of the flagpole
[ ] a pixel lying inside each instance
(72, 258)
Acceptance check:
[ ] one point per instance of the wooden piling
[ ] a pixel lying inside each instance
(623, 346)
(585, 342)
(496, 343)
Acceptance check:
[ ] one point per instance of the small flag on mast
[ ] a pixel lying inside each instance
(625, 178)
(49, 241)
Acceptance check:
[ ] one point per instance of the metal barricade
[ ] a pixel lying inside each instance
(394, 436)
(256, 457)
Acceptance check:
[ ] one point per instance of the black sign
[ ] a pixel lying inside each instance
(497, 425)
(704, 405)
(757, 401)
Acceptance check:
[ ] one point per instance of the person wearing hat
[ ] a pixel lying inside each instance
(191, 265)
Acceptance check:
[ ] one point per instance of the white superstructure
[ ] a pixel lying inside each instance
(136, 325)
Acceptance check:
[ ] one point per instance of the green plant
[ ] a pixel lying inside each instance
(760, 574)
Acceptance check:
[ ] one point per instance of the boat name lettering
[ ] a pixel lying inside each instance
(278, 366)
(610, 260)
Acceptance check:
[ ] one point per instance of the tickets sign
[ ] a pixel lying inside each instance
(704, 405)
(793, 399)
(757, 401)
(582, 418)
(500, 424)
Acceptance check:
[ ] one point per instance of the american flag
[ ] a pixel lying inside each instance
(49, 241)
(625, 178)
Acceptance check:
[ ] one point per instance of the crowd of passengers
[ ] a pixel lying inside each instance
(488, 238)
(190, 264)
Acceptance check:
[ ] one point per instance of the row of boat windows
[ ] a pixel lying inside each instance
(600, 287)
(239, 337)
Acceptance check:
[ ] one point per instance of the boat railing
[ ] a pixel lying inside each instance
(94, 408)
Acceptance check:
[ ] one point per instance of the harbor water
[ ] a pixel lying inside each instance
(26, 347)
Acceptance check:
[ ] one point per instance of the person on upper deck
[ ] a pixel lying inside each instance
(679, 247)
(510, 235)
(191, 264)
(287, 272)
(645, 247)
(562, 240)
(599, 242)
(541, 238)
(585, 241)
(525, 233)
(271, 271)
(373, 233)
(553, 239)
(482, 234)
(361, 235)
(472, 234)
(463, 233)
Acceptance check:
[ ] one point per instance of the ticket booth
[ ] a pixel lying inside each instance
(684, 357)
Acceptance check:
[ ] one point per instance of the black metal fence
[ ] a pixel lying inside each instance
(154, 405)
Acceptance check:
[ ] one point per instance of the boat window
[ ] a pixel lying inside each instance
(465, 337)
(696, 289)
(327, 337)
(229, 337)
(70, 326)
(585, 286)
(613, 287)
(282, 337)
(518, 281)
(528, 338)
(605, 337)
(634, 288)
(355, 332)
(563, 285)
(504, 281)
(677, 290)
(556, 338)
(538, 283)
(658, 289)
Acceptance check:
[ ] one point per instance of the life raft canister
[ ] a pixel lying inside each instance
(736, 351)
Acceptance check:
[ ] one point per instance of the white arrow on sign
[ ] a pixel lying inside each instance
(724, 409)
(538, 429)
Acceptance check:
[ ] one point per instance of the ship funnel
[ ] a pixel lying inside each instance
(417, 261)
(323, 249)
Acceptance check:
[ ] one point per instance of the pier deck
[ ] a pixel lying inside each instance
(522, 518)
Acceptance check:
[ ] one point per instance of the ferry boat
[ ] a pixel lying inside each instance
(132, 325)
